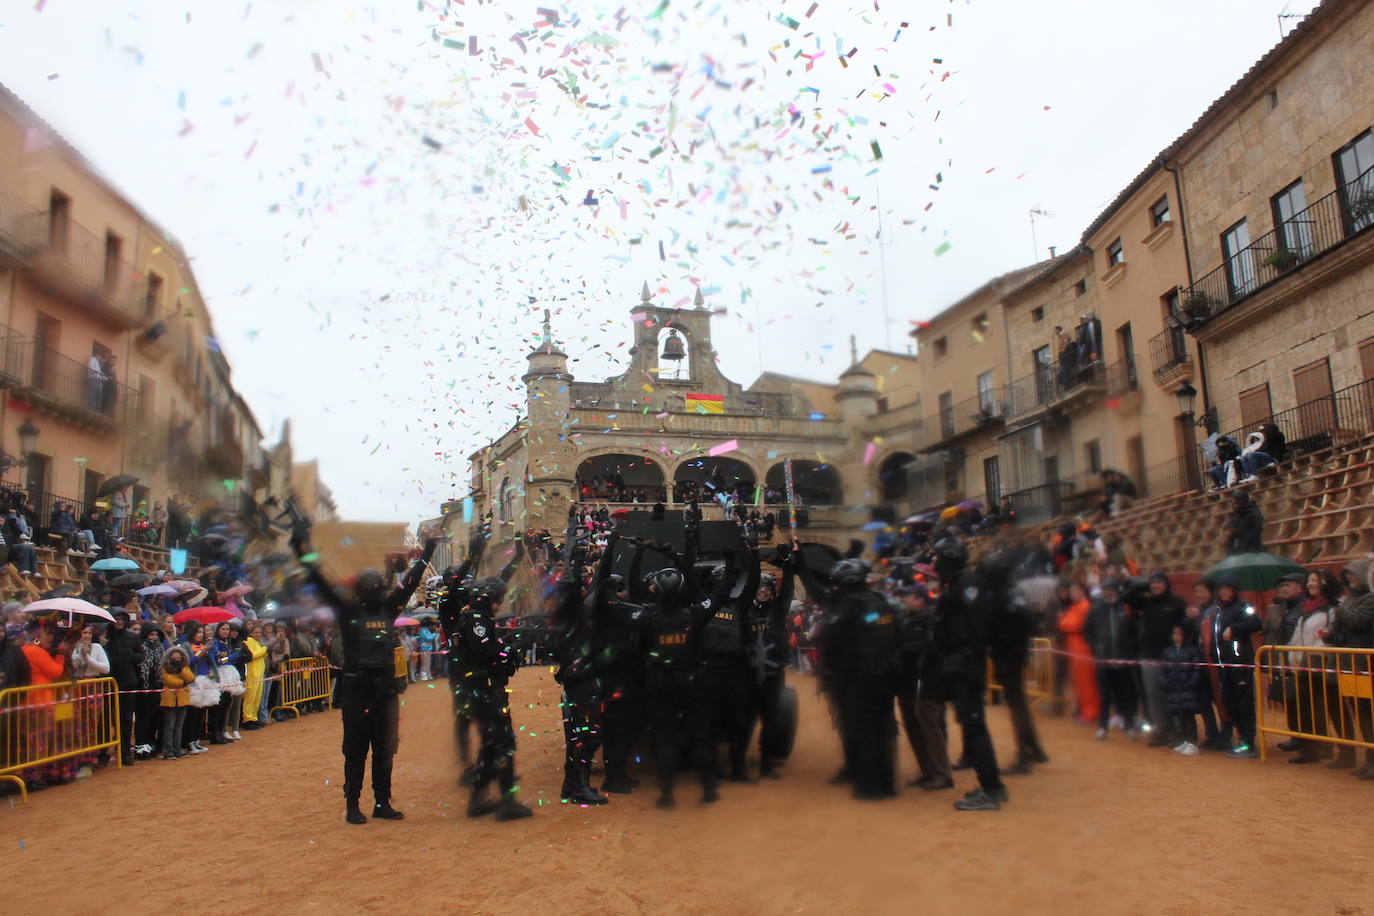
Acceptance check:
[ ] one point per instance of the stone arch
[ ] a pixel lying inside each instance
(705, 477)
(894, 477)
(619, 475)
(816, 484)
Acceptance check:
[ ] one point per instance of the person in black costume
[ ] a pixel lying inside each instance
(962, 631)
(920, 698)
(676, 618)
(1011, 625)
(625, 619)
(723, 676)
(767, 622)
(486, 664)
(367, 693)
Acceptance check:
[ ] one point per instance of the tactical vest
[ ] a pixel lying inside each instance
(670, 639)
(375, 643)
(723, 637)
(877, 637)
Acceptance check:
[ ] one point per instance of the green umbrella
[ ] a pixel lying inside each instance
(1256, 571)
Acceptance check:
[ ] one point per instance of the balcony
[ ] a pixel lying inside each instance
(224, 457)
(76, 267)
(985, 411)
(1169, 357)
(14, 358)
(67, 388)
(1063, 387)
(20, 233)
(1305, 238)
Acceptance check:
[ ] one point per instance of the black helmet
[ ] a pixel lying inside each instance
(370, 583)
(490, 588)
(768, 581)
(668, 581)
(850, 572)
(951, 556)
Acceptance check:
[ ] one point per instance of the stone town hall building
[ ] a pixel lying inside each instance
(668, 428)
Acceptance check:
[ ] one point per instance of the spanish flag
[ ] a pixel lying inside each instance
(706, 403)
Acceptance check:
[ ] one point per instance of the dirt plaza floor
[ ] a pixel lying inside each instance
(1105, 827)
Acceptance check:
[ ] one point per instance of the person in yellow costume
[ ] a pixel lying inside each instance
(253, 675)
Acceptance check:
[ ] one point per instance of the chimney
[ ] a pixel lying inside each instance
(1052, 247)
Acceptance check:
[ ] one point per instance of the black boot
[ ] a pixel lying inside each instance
(709, 793)
(353, 815)
(665, 800)
(384, 811)
(508, 809)
(617, 782)
(478, 803)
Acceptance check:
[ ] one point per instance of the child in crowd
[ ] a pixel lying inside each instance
(1181, 679)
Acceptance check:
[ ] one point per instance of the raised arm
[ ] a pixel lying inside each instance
(414, 575)
(508, 571)
(637, 592)
(816, 590)
(782, 602)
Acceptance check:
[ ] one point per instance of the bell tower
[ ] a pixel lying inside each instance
(550, 455)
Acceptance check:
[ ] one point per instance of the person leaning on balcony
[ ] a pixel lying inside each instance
(95, 378)
(1351, 626)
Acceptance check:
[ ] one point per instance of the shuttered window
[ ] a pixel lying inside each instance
(1255, 406)
(1312, 391)
(1367, 359)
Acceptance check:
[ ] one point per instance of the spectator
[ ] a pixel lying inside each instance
(427, 644)
(204, 691)
(124, 650)
(175, 701)
(224, 717)
(1111, 631)
(255, 662)
(1215, 719)
(16, 536)
(1181, 676)
(88, 656)
(1072, 623)
(1233, 625)
(1352, 627)
(1223, 473)
(47, 662)
(1274, 444)
(1280, 622)
(1312, 698)
(1159, 610)
(1246, 526)
(147, 719)
(1253, 458)
(119, 514)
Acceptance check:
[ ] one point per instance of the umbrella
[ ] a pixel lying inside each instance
(405, 622)
(949, 513)
(116, 483)
(195, 597)
(61, 591)
(621, 513)
(203, 615)
(876, 526)
(1257, 571)
(133, 578)
(925, 518)
(236, 591)
(969, 504)
(68, 606)
(290, 611)
(425, 615)
(161, 588)
(213, 538)
(113, 563)
(184, 585)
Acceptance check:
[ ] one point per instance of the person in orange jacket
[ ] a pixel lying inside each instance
(47, 664)
(1081, 662)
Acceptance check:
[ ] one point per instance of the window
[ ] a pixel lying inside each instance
(1240, 266)
(947, 415)
(882, 405)
(113, 244)
(1316, 406)
(1355, 178)
(1255, 406)
(1080, 288)
(1115, 254)
(1038, 313)
(941, 348)
(981, 326)
(153, 296)
(1273, 97)
(992, 481)
(953, 477)
(987, 398)
(59, 220)
(1043, 360)
(1367, 359)
(1171, 302)
(1159, 212)
(1292, 224)
(1135, 460)
(1092, 453)
(1125, 343)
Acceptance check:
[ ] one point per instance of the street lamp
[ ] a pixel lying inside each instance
(1187, 403)
(28, 442)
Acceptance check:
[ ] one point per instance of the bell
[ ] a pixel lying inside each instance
(672, 347)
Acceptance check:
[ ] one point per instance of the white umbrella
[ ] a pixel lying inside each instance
(69, 606)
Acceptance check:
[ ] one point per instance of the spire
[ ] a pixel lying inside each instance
(644, 295)
(548, 332)
(698, 300)
(853, 348)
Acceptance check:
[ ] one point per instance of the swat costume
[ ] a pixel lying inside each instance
(767, 623)
(963, 638)
(723, 677)
(1012, 623)
(486, 666)
(367, 690)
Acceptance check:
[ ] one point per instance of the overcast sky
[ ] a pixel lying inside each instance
(380, 198)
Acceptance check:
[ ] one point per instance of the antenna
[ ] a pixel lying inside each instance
(882, 264)
(1035, 246)
(1284, 14)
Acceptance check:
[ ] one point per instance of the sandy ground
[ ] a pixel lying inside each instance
(1104, 828)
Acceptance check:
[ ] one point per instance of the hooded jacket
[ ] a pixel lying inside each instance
(1352, 621)
(1159, 614)
(1112, 630)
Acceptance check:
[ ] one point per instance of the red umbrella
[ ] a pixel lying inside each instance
(621, 513)
(204, 615)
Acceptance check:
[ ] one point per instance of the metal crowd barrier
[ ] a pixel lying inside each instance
(44, 723)
(401, 663)
(1324, 695)
(304, 680)
(1039, 672)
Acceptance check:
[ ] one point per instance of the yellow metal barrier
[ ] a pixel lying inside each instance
(1039, 672)
(402, 666)
(45, 723)
(304, 680)
(1321, 695)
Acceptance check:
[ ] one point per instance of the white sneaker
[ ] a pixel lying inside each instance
(1100, 734)
(1178, 748)
(1189, 749)
(1116, 722)
(235, 735)
(1251, 479)
(195, 748)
